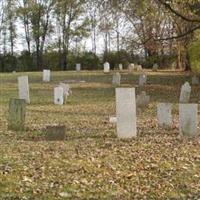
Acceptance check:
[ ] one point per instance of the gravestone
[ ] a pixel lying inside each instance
(106, 67)
(188, 119)
(142, 100)
(58, 95)
(164, 115)
(131, 67)
(46, 75)
(23, 87)
(120, 67)
(185, 93)
(195, 80)
(116, 79)
(126, 112)
(155, 67)
(142, 79)
(66, 90)
(139, 68)
(17, 114)
(78, 67)
(55, 133)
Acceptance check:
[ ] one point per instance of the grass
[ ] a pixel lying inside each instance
(92, 163)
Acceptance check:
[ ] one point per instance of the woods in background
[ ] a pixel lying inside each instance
(54, 33)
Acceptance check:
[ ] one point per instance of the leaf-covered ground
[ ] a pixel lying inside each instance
(92, 163)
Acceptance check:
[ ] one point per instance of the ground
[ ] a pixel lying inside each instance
(92, 163)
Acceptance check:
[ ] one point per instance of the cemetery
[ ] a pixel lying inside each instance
(57, 143)
(99, 100)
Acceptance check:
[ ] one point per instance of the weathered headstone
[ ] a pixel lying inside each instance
(164, 115)
(17, 114)
(195, 80)
(58, 96)
(185, 93)
(139, 68)
(188, 119)
(155, 67)
(106, 67)
(66, 90)
(78, 67)
(142, 100)
(116, 79)
(46, 75)
(126, 112)
(23, 87)
(142, 80)
(120, 67)
(55, 133)
(131, 67)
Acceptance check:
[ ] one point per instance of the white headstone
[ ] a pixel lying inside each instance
(23, 87)
(185, 93)
(155, 67)
(131, 67)
(46, 75)
(126, 112)
(142, 99)
(195, 80)
(120, 67)
(78, 67)
(113, 120)
(142, 80)
(116, 79)
(188, 119)
(58, 95)
(106, 67)
(66, 90)
(164, 115)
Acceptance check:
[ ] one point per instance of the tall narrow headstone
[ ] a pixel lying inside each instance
(126, 112)
(17, 113)
(142, 80)
(164, 115)
(58, 96)
(116, 79)
(78, 67)
(120, 67)
(46, 75)
(195, 80)
(188, 119)
(106, 67)
(23, 87)
(185, 93)
(131, 67)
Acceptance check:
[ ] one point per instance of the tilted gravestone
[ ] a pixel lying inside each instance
(188, 119)
(23, 88)
(46, 75)
(185, 93)
(106, 67)
(142, 100)
(58, 96)
(195, 80)
(126, 112)
(142, 79)
(164, 115)
(78, 67)
(116, 79)
(17, 114)
(55, 133)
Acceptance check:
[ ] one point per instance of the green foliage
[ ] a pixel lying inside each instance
(194, 53)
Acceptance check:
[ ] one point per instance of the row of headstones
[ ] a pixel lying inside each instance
(61, 92)
(126, 115)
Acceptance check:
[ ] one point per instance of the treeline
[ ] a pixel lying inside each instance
(55, 33)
